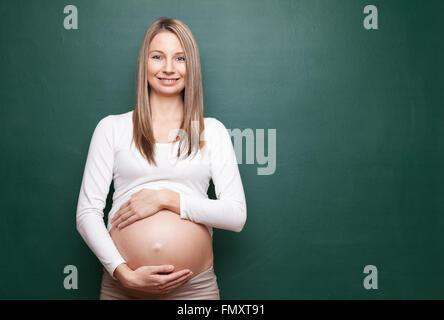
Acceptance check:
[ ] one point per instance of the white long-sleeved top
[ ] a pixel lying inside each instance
(113, 156)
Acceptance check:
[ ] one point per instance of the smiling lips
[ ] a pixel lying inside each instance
(168, 81)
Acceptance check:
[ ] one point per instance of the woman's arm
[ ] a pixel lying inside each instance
(96, 180)
(229, 211)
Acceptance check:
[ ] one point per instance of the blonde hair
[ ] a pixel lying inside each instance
(192, 95)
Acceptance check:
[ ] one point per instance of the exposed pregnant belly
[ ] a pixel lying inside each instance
(165, 238)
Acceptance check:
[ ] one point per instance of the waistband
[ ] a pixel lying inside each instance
(201, 286)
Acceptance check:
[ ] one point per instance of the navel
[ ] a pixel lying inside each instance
(157, 246)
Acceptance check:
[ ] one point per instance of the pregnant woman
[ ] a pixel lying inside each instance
(161, 157)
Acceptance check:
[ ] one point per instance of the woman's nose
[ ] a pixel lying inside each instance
(168, 65)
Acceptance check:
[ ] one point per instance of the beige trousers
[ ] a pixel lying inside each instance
(203, 286)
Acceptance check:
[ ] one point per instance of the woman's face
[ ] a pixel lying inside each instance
(166, 67)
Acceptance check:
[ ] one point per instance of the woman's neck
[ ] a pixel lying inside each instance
(166, 108)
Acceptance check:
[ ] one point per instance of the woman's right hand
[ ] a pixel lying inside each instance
(154, 279)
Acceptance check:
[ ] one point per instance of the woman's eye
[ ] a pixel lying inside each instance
(158, 57)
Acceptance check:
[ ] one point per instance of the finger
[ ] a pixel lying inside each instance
(119, 212)
(163, 280)
(171, 288)
(176, 283)
(123, 216)
(173, 276)
(128, 221)
(162, 269)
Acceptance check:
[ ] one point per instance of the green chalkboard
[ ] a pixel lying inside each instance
(359, 120)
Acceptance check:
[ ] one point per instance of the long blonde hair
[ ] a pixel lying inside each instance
(192, 94)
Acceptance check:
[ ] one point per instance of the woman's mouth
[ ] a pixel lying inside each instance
(168, 81)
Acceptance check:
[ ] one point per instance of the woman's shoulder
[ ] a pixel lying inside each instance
(114, 127)
(214, 125)
(122, 117)
(215, 132)
(117, 121)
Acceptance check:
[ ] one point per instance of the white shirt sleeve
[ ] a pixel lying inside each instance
(96, 181)
(229, 211)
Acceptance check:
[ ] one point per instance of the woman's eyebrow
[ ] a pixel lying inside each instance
(164, 52)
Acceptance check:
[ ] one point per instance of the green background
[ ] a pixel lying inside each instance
(360, 140)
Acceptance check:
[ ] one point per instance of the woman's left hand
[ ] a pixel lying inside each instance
(142, 204)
